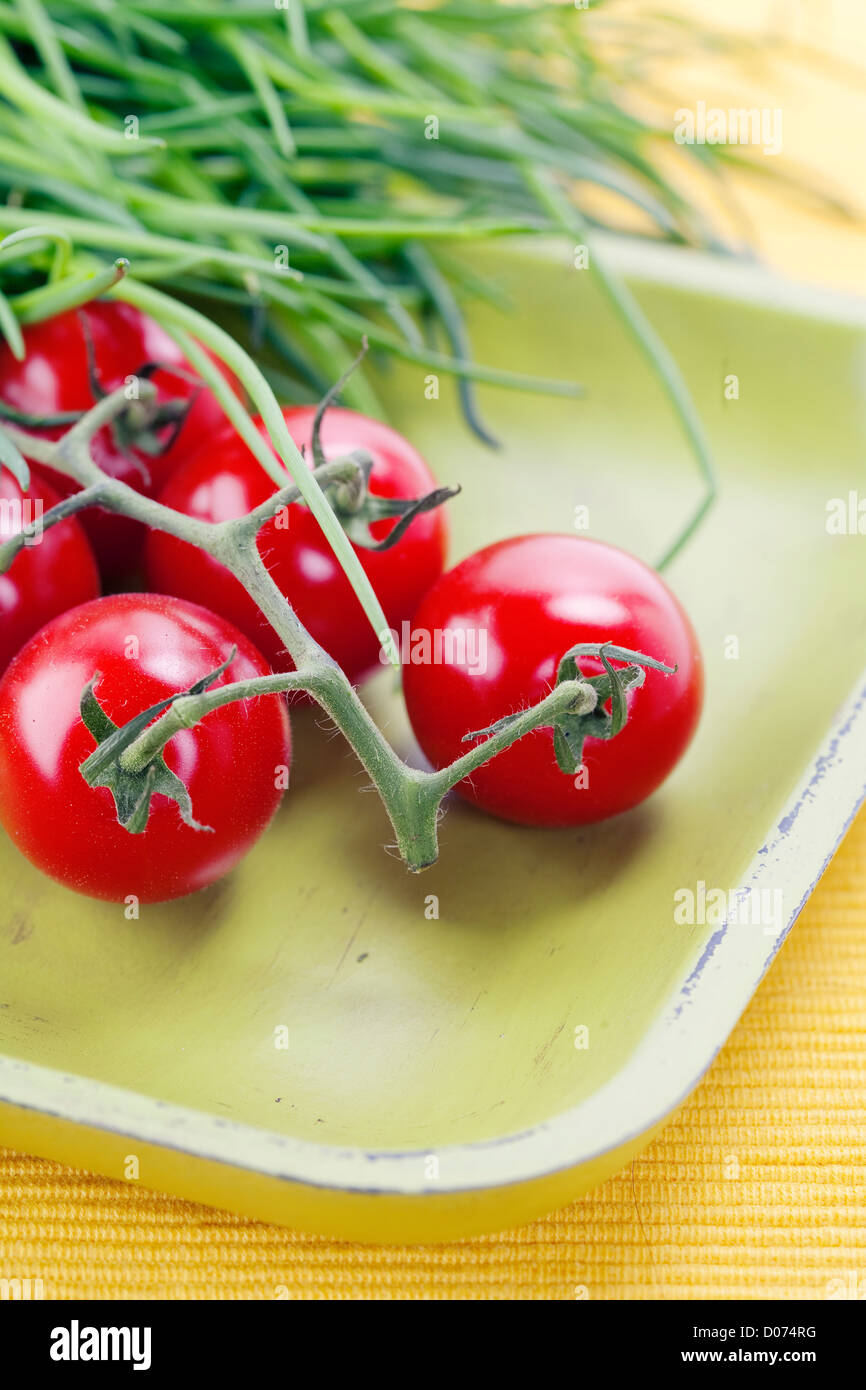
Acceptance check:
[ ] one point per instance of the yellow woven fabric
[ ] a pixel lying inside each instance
(756, 1189)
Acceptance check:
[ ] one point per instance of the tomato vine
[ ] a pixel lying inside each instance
(412, 798)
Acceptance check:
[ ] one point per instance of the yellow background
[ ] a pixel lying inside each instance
(756, 1189)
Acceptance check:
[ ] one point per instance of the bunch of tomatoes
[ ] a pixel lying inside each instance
(71, 609)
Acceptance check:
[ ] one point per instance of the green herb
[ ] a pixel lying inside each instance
(308, 160)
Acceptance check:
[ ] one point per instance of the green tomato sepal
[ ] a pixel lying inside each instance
(357, 516)
(571, 730)
(133, 786)
(355, 506)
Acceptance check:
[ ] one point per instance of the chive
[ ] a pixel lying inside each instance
(446, 306)
(69, 293)
(653, 348)
(296, 24)
(34, 238)
(10, 328)
(96, 234)
(20, 89)
(250, 61)
(375, 60)
(313, 130)
(45, 40)
(181, 322)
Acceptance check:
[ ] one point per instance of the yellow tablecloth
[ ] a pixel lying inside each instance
(756, 1189)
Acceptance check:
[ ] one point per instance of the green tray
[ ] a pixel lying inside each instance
(431, 1086)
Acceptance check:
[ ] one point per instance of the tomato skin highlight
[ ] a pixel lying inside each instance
(56, 573)
(53, 379)
(229, 762)
(224, 481)
(535, 597)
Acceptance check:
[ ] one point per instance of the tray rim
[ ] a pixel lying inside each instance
(659, 1072)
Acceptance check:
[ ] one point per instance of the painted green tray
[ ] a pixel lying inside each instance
(431, 1085)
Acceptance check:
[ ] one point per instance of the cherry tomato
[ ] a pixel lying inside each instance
(147, 648)
(57, 571)
(224, 481)
(53, 379)
(504, 618)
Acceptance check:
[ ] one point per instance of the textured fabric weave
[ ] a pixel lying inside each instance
(756, 1189)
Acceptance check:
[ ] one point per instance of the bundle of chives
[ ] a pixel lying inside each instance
(310, 160)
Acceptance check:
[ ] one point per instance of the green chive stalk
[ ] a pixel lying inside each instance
(199, 138)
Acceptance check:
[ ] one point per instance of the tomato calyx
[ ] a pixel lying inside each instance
(404, 508)
(588, 717)
(359, 510)
(134, 782)
(571, 730)
(144, 427)
(142, 424)
(153, 428)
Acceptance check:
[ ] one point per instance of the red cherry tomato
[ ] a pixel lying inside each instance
(224, 481)
(53, 379)
(504, 618)
(147, 647)
(54, 573)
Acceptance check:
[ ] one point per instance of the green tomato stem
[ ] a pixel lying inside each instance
(412, 798)
(189, 710)
(181, 322)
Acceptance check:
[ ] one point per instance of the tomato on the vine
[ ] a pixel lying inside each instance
(224, 480)
(234, 764)
(500, 622)
(54, 378)
(54, 572)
